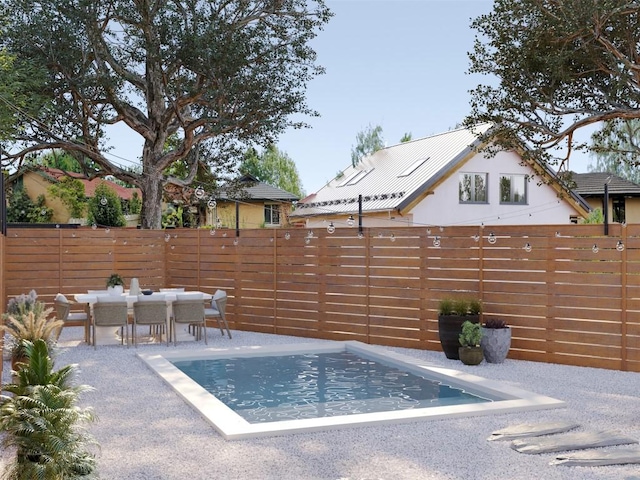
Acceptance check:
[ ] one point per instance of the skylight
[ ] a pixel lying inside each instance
(413, 167)
(355, 177)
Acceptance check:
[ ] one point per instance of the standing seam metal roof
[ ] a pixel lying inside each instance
(382, 188)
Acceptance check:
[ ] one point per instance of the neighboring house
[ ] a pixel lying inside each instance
(37, 181)
(624, 196)
(441, 180)
(258, 205)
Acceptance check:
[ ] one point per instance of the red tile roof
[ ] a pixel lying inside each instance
(90, 185)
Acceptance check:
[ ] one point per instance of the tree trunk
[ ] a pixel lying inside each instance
(151, 214)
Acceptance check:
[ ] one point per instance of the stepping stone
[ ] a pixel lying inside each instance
(593, 458)
(571, 441)
(531, 430)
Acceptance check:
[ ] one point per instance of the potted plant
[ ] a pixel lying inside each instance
(470, 351)
(496, 340)
(452, 313)
(27, 320)
(115, 284)
(40, 418)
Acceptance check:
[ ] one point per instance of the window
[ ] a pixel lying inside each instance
(618, 209)
(413, 167)
(271, 214)
(473, 188)
(355, 177)
(513, 189)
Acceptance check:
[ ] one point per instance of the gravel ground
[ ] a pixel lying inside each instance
(146, 431)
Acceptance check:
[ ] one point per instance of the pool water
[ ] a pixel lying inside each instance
(327, 385)
(294, 387)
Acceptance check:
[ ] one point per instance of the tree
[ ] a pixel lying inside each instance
(368, 142)
(615, 149)
(407, 137)
(105, 208)
(71, 192)
(21, 90)
(273, 167)
(221, 74)
(24, 210)
(555, 67)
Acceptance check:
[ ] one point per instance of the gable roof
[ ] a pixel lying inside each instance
(592, 184)
(54, 175)
(394, 177)
(254, 189)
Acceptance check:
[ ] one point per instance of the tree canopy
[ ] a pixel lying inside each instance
(554, 67)
(273, 167)
(616, 149)
(221, 74)
(368, 141)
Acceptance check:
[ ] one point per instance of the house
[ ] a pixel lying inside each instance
(254, 204)
(623, 195)
(37, 180)
(442, 180)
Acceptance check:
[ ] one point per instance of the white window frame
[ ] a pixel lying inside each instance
(272, 207)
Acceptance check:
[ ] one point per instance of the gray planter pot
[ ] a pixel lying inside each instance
(495, 344)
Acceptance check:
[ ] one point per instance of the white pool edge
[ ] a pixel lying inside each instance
(233, 427)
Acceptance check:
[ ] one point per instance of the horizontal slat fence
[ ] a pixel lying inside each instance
(570, 295)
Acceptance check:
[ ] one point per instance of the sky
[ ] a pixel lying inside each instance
(400, 64)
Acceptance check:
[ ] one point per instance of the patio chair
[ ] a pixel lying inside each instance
(72, 318)
(152, 311)
(111, 311)
(218, 310)
(188, 309)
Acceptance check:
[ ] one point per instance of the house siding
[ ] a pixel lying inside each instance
(443, 207)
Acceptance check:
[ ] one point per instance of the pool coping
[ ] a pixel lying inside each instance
(233, 427)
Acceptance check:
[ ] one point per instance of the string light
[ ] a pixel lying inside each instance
(436, 242)
(287, 236)
(527, 247)
(103, 201)
(393, 237)
(351, 221)
(595, 248)
(492, 238)
(211, 204)
(620, 246)
(199, 192)
(331, 228)
(476, 237)
(167, 237)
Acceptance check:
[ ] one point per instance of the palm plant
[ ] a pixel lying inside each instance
(42, 422)
(30, 322)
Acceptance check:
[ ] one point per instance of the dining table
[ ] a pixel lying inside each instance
(107, 335)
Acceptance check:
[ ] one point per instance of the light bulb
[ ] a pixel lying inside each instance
(287, 236)
(212, 232)
(167, 237)
(492, 238)
(360, 235)
(199, 192)
(476, 237)
(595, 248)
(235, 241)
(331, 228)
(436, 242)
(393, 237)
(620, 246)
(527, 247)
(211, 203)
(103, 201)
(351, 221)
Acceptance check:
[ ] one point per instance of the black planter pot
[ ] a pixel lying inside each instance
(449, 329)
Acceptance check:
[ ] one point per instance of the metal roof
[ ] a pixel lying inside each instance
(392, 177)
(592, 184)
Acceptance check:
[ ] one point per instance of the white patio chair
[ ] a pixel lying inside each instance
(218, 310)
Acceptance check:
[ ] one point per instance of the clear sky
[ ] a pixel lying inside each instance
(400, 64)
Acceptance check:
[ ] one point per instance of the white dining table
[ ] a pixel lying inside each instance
(106, 334)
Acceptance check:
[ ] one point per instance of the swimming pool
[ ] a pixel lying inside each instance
(494, 397)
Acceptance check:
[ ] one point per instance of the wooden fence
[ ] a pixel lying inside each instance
(570, 293)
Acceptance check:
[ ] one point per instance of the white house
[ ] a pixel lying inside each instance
(442, 180)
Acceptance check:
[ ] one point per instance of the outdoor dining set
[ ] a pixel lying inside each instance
(107, 314)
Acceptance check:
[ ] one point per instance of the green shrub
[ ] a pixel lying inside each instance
(105, 208)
